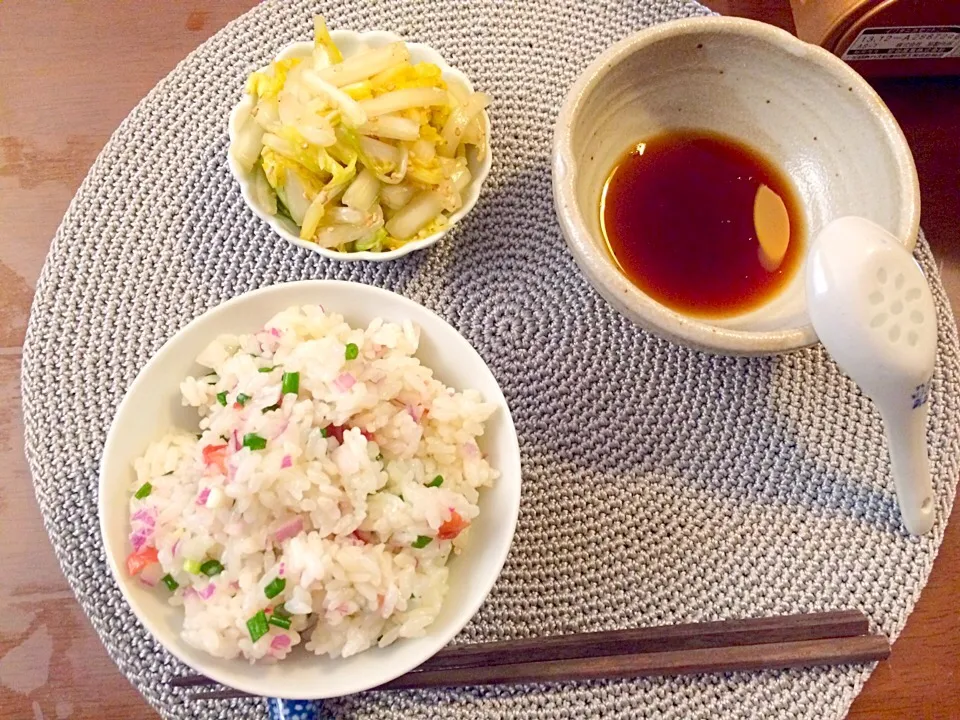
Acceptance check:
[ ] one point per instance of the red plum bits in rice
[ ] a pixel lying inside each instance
(331, 480)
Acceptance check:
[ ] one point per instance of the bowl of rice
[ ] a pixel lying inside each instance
(310, 489)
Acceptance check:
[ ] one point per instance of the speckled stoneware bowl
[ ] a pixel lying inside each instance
(795, 103)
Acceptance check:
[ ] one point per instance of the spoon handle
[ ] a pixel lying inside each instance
(907, 438)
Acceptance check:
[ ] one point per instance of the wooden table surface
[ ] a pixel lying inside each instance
(69, 73)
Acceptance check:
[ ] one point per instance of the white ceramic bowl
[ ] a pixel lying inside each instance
(152, 407)
(797, 104)
(351, 43)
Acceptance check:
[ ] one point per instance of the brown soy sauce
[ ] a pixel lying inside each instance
(677, 214)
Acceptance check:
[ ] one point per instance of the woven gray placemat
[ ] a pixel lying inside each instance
(660, 485)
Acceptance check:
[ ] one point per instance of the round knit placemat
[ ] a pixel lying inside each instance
(661, 485)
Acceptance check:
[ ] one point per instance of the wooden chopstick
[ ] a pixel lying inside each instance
(755, 643)
(691, 636)
(770, 656)
(750, 631)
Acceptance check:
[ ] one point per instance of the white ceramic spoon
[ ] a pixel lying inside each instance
(872, 309)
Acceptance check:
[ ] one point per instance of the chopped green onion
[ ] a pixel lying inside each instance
(422, 541)
(170, 582)
(144, 490)
(280, 622)
(275, 587)
(267, 369)
(268, 408)
(222, 398)
(324, 432)
(211, 568)
(281, 611)
(436, 482)
(191, 566)
(351, 352)
(254, 441)
(242, 399)
(257, 626)
(290, 383)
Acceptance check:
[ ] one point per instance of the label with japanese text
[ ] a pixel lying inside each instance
(905, 43)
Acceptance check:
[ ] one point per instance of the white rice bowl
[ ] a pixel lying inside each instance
(353, 500)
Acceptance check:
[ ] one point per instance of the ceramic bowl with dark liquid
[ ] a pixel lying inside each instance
(670, 145)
